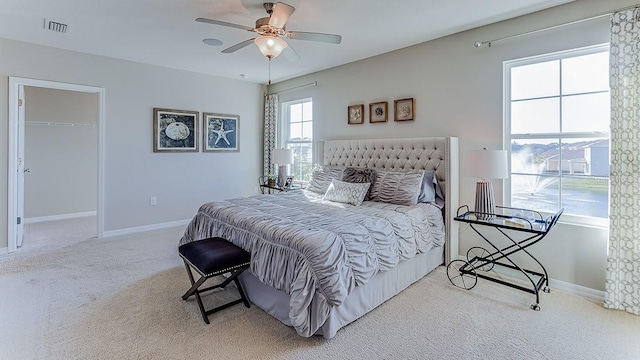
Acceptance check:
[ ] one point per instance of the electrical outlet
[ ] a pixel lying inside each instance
(153, 201)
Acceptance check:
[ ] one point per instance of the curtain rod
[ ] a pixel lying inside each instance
(315, 83)
(489, 42)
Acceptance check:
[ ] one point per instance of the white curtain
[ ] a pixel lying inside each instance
(623, 263)
(270, 130)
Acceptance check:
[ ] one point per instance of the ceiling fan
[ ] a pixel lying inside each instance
(272, 30)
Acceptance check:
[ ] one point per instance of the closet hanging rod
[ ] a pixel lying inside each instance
(55, 123)
(490, 42)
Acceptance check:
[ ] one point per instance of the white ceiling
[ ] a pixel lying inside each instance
(164, 33)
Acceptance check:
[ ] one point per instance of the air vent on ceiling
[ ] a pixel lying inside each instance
(55, 26)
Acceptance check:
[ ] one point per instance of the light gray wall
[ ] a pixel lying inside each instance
(458, 92)
(63, 159)
(133, 173)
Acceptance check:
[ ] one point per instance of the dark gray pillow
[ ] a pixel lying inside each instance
(360, 176)
(322, 176)
(397, 187)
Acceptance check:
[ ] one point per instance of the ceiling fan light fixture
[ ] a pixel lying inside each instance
(270, 46)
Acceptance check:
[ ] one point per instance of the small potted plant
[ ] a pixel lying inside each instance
(271, 180)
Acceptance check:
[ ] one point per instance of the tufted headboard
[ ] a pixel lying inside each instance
(435, 153)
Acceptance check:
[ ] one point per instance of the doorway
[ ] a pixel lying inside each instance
(43, 130)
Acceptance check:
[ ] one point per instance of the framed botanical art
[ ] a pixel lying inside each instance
(404, 109)
(221, 132)
(378, 112)
(175, 130)
(355, 114)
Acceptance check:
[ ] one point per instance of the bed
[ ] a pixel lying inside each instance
(318, 265)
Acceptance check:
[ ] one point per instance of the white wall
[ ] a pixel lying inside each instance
(62, 159)
(133, 173)
(458, 92)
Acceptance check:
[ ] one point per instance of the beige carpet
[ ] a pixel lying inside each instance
(119, 298)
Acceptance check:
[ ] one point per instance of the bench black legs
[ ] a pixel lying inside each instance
(212, 257)
(194, 290)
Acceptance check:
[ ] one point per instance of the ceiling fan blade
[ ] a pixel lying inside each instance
(291, 54)
(238, 46)
(223, 23)
(280, 15)
(311, 36)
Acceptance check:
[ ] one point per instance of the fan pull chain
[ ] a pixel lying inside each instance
(269, 71)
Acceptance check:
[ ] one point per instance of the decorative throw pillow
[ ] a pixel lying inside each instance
(322, 176)
(358, 175)
(345, 192)
(397, 187)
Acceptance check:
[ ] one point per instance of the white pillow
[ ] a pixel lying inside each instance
(346, 192)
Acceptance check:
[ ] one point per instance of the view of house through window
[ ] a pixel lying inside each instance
(298, 135)
(557, 121)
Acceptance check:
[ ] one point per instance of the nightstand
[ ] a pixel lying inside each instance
(266, 189)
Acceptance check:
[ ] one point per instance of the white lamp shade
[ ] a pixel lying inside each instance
(270, 46)
(282, 156)
(487, 164)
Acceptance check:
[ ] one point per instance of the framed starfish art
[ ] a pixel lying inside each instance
(175, 130)
(221, 132)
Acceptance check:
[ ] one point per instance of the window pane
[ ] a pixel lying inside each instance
(295, 113)
(586, 73)
(586, 196)
(537, 192)
(307, 110)
(536, 80)
(534, 156)
(307, 130)
(586, 113)
(295, 131)
(302, 161)
(535, 116)
(584, 157)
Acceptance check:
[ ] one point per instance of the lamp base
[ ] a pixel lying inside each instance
(485, 203)
(282, 175)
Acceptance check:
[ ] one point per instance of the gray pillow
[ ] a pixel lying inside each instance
(397, 187)
(346, 192)
(358, 175)
(430, 188)
(322, 176)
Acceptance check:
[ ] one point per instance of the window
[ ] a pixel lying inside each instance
(557, 115)
(298, 135)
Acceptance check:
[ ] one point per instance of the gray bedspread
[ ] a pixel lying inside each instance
(303, 246)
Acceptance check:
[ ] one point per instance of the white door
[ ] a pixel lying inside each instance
(21, 169)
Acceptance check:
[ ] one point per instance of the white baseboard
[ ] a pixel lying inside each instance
(589, 293)
(59, 217)
(567, 287)
(138, 229)
(4, 251)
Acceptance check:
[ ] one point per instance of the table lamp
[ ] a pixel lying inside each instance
(486, 165)
(282, 157)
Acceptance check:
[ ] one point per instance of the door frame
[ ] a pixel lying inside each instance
(12, 193)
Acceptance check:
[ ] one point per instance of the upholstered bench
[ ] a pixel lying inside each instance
(212, 257)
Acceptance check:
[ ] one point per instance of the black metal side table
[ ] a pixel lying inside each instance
(465, 274)
(268, 189)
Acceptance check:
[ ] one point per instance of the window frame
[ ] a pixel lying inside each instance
(581, 220)
(284, 136)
